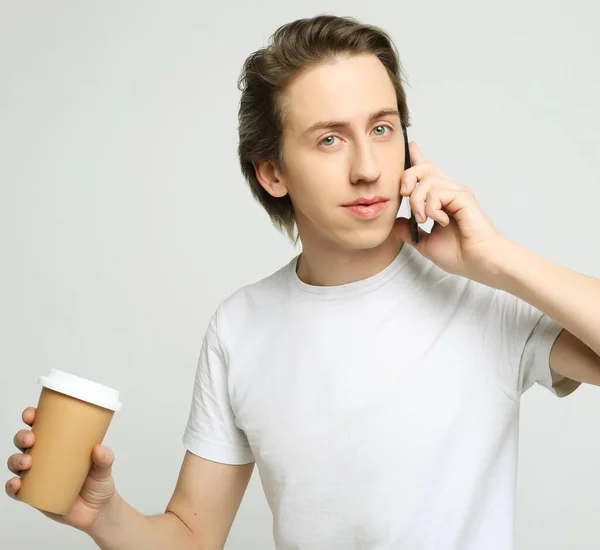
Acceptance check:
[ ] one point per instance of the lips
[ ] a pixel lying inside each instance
(367, 208)
(363, 201)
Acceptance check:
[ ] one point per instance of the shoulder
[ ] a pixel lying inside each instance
(268, 289)
(476, 297)
(247, 305)
(431, 280)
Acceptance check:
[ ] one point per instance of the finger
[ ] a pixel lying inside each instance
(12, 487)
(403, 230)
(456, 202)
(420, 168)
(24, 439)
(19, 463)
(102, 461)
(416, 155)
(418, 199)
(29, 415)
(434, 209)
(414, 177)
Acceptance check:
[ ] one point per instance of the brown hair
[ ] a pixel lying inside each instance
(293, 48)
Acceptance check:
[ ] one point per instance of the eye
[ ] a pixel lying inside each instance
(328, 141)
(381, 130)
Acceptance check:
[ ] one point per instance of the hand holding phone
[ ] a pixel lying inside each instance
(414, 227)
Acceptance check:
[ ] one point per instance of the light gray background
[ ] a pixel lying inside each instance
(125, 220)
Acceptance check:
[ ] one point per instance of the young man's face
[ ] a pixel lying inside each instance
(327, 168)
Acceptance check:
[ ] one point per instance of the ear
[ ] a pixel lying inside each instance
(270, 177)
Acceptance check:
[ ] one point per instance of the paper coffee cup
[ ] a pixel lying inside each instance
(73, 416)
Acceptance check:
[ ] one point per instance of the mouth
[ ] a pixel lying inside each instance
(367, 208)
(363, 201)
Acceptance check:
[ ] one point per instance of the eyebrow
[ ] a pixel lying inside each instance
(331, 124)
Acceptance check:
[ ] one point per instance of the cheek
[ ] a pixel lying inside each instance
(391, 158)
(392, 172)
(317, 178)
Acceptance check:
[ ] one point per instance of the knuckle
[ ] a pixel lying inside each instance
(12, 464)
(29, 412)
(433, 199)
(21, 438)
(9, 488)
(419, 191)
(431, 182)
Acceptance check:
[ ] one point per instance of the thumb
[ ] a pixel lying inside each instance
(403, 230)
(102, 461)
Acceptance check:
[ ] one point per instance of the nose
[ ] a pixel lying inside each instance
(365, 167)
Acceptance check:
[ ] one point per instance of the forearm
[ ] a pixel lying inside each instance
(123, 528)
(570, 298)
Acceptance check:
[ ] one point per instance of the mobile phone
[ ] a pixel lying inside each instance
(414, 227)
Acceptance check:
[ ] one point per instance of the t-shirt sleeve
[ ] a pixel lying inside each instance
(535, 359)
(518, 339)
(211, 430)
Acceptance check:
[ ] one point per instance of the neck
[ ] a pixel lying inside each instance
(321, 266)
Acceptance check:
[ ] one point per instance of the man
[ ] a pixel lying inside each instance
(374, 381)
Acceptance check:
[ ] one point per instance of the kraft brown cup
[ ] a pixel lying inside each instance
(73, 416)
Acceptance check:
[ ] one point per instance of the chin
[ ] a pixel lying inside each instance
(366, 238)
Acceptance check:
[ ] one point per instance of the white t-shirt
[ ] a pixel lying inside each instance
(382, 414)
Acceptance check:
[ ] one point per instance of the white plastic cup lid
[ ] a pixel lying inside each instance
(83, 389)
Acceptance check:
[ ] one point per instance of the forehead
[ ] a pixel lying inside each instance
(348, 89)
